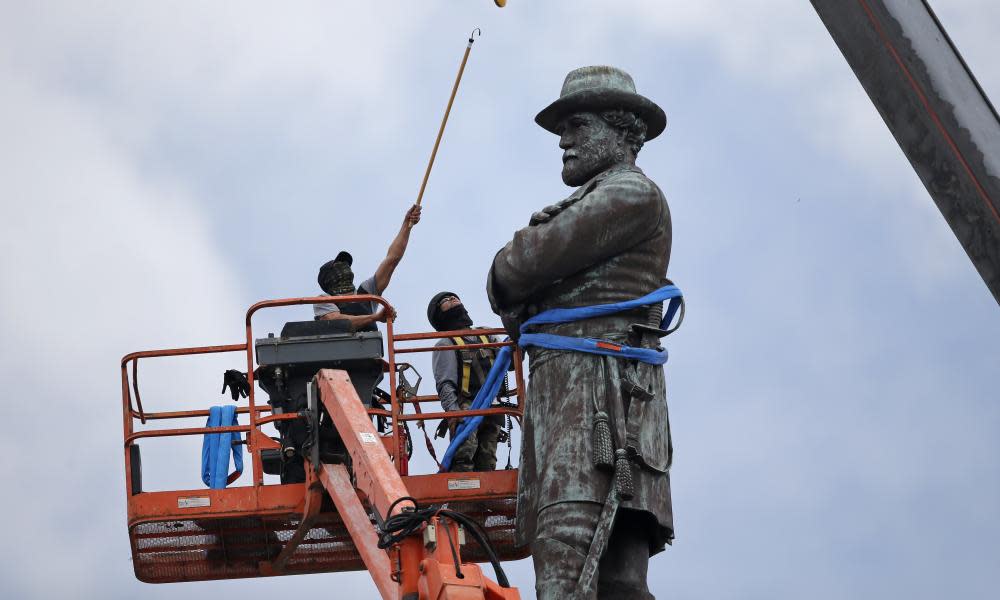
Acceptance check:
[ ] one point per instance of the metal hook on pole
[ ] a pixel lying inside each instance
(447, 111)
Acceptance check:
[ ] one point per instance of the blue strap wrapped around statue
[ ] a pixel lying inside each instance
(491, 387)
(216, 447)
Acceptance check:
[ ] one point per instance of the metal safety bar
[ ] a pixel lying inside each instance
(397, 404)
(130, 414)
(256, 439)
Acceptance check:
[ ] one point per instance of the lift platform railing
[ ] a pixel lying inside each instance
(399, 415)
(257, 440)
(243, 531)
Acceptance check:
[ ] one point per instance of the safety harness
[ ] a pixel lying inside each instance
(472, 363)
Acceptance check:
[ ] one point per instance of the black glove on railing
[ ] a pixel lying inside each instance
(237, 384)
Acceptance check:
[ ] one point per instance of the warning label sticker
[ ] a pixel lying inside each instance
(194, 502)
(463, 484)
(367, 438)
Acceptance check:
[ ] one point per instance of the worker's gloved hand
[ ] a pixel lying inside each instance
(237, 384)
(385, 314)
(412, 216)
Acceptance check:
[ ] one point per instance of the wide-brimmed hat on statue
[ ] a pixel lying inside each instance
(601, 88)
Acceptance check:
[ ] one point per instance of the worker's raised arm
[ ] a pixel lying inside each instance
(396, 250)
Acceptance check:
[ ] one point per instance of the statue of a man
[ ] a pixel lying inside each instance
(608, 242)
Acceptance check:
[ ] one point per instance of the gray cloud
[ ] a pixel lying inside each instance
(164, 166)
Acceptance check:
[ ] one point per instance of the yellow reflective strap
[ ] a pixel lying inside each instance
(489, 353)
(466, 367)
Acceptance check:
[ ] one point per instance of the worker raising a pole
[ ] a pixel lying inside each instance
(336, 276)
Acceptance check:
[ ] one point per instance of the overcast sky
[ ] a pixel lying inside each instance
(165, 165)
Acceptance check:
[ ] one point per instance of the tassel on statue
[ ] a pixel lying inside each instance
(623, 476)
(604, 456)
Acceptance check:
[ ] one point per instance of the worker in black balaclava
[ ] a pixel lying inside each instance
(459, 374)
(336, 277)
(447, 313)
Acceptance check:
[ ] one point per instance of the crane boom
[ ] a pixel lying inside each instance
(936, 110)
(422, 569)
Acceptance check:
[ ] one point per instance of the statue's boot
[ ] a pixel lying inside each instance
(563, 539)
(623, 569)
(560, 548)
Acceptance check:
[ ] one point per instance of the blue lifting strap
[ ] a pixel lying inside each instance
(592, 346)
(484, 398)
(216, 447)
(491, 387)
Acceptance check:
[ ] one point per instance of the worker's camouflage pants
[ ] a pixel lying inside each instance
(560, 548)
(479, 451)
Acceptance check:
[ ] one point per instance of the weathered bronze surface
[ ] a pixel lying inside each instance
(607, 242)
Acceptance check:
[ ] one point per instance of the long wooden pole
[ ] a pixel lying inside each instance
(447, 111)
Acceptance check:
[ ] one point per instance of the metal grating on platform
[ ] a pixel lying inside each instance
(229, 548)
(199, 549)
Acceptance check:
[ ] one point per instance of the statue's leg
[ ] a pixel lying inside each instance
(486, 454)
(623, 569)
(560, 547)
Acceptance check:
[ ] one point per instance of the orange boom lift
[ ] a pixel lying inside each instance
(358, 507)
(419, 536)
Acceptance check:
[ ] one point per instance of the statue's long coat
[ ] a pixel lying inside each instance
(608, 242)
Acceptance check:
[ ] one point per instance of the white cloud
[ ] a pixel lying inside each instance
(784, 44)
(94, 256)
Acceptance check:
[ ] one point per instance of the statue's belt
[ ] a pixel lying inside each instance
(657, 356)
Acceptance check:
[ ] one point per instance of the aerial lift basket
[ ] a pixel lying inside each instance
(267, 529)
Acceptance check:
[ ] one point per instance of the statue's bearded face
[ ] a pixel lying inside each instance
(589, 145)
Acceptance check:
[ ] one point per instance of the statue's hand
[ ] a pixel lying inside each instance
(544, 215)
(512, 319)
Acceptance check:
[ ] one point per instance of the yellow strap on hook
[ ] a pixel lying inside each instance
(447, 111)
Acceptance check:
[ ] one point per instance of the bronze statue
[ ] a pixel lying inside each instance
(608, 242)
